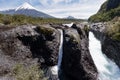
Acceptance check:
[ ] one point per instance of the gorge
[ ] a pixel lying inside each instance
(49, 48)
(107, 69)
(64, 53)
(42, 45)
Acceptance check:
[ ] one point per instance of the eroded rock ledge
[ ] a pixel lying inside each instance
(39, 45)
(77, 63)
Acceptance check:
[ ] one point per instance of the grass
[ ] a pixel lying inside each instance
(48, 31)
(20, 72)
(116, 36)
(22, 19)
(113, 29)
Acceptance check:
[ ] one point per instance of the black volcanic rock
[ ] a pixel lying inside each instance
(112, 49)
(77, 63)
(28, 45)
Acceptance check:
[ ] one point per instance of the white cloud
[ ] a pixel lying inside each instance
(57, 1)
(44, 2)
(59, 8)
(80, 9)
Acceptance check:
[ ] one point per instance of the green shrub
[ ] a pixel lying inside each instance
(86, 28)
(116, 36)
(113, 29)
(48, 31)
(20, 72)
(6, 19)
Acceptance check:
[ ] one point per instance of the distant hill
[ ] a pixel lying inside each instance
(109, 10)
(70, 17)
(27, 9)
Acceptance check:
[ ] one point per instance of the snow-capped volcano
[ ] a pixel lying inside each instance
(28, 10)
(25, 6)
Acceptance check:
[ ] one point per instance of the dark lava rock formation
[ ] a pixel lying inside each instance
(30, 45)
(77, 63)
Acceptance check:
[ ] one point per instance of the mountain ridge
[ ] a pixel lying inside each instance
(25, 6)
(28, 10)
(70, 17)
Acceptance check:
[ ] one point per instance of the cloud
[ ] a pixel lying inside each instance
(53, 2)
(59, 8)
(79, 8)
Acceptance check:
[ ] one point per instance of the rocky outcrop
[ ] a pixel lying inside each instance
(110, 47)
(28, 45)
(39, 45)
(77, 63)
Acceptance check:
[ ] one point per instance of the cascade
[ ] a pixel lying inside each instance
(107, 69)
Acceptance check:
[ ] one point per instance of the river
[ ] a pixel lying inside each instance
(107, 69)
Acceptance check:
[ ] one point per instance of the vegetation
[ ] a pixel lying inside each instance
(32, 73)
(116, 36)
(22, 19)
(103, 7)
(86, 28)
(113, 29)
(47, 31)
(105, 14)
(110, 13)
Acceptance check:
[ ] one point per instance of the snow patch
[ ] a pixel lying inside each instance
(25, 6)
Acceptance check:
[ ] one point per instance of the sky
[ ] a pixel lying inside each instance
(81, 9)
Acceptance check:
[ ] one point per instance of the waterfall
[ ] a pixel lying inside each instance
(55, 68)
(69, 25)
(60, 49)
(107, 69)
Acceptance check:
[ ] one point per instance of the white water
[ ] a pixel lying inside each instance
(69, 25)
(55, 68)
(107, 69)
(60, 49)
